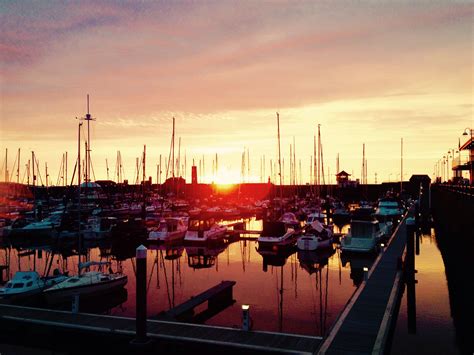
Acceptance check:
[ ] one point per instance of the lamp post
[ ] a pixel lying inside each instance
(471, 154)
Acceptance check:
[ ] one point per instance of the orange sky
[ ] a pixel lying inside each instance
(369, 72)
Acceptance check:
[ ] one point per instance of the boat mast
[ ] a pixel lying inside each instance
(79, 195)
(34, 182)
(401, 166)
(319, 160)
(279, 161)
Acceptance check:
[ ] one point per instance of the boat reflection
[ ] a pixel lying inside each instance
(357, 263)
(313, 261)
(203, 257)
(275, 257)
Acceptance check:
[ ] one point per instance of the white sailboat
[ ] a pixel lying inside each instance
(90, 283)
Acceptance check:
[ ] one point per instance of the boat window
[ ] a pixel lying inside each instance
(362, 230)
(18, 285)
(73, 280)
(30, 283)
(8, 285)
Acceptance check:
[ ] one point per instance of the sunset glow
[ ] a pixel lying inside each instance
(367, 72)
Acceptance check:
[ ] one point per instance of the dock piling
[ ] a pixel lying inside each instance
(141, 301)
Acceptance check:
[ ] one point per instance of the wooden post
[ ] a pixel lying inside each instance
(141, 304)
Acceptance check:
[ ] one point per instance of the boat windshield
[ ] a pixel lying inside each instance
(362, 230)
(197, 225)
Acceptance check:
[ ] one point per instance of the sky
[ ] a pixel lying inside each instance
(369, 72)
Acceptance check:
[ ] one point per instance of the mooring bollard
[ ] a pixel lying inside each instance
(75, 303)
(140, 335)
(245, 317)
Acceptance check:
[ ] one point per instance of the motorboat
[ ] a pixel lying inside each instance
(45, 227)
(204, 230)
(388, 209)
(29, 283)
(316, 216)
(88, 284)
(362, 237)
(99, 227)
(276, 235)
(318, 236)
(290, 220)
(169, 229)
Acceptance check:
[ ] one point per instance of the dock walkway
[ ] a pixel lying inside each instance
(364, 324)
(16, 318)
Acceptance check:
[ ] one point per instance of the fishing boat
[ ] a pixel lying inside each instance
(29, 283)
(318, 236)
(276, 235)
(169, 229)
(204, 230)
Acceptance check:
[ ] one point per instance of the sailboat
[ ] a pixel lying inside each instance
(90, 283)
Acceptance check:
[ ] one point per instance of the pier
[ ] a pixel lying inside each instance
(364, 325)
(218, 298)
(91, 332)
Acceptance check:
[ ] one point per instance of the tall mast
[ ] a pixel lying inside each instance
(173, 162)
(18, 168)
(363, 164)
(401, 166)
(279, 161)
(65, 163)
(79, 195)
(107, 167)
(6, 164)
(319, 159)
(34, 180)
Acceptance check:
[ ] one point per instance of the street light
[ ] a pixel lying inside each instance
(471, 154)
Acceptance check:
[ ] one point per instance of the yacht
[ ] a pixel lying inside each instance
(316, 216)
(44, 228)
(318, 236)
(276, 235)
(204, 230)
(362, 237)
(388, 209)
(29, 283)
(169, 229)
(88, 284)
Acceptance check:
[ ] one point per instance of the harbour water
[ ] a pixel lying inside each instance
(427, 325)
(293, 292)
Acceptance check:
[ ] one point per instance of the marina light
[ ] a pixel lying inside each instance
(382, 245)
(366, 269)
(245, 317)
(366, 273)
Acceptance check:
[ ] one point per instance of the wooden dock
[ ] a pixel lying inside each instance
(364, 324)
(91, 332)
(218, 298)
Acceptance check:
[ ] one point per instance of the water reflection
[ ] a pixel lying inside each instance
(287, 291)
(357, 264)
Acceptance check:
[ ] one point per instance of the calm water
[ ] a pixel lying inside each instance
(430, 328)
(296, 293)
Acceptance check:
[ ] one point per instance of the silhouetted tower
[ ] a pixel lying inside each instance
(194, 178)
